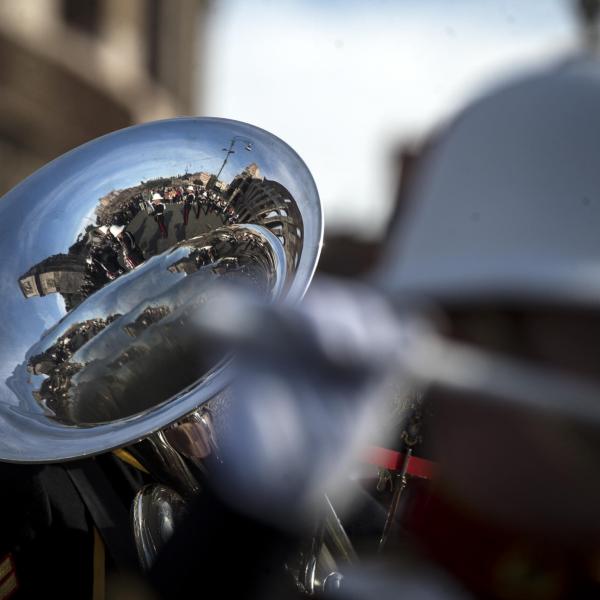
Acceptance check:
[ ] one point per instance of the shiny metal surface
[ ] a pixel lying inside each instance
(333, 582)
(156, 511)
(318, 562)
(194, 436)
(165, 463)
(110, 254)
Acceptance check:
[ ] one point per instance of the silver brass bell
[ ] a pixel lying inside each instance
(111, 252)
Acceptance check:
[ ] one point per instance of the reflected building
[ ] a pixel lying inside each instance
(99, 256)
(150, 315)
(62, 273)
(256, 199)
(204, 179)
(90, 263)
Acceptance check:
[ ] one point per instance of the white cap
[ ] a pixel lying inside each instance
(116, 230)
(190, 188)
(103, 229)
(507, 203)
(156, 196)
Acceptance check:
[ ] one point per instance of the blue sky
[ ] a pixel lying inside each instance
(343, 82)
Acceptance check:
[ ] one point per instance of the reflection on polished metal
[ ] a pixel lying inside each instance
(333, 582)
(156, 511)
(194, 436)
(164, 462)
(110, 255)
(329, 548)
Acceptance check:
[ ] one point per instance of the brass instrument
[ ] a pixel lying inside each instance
(112, 251)
(111, 256)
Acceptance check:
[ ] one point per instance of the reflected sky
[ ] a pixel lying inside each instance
(43, 217)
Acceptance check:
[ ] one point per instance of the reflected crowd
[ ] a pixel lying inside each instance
(181, 208)
(137, 278)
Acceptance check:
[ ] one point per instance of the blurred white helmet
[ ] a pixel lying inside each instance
(507, 205)
(156, 196)
(190, 188)
(103, 229)
(116, 230)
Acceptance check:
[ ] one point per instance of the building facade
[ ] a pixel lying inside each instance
(72, 70)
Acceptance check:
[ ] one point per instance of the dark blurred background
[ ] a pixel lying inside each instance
(356, 87)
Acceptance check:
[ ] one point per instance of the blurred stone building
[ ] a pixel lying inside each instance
(71, 70)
